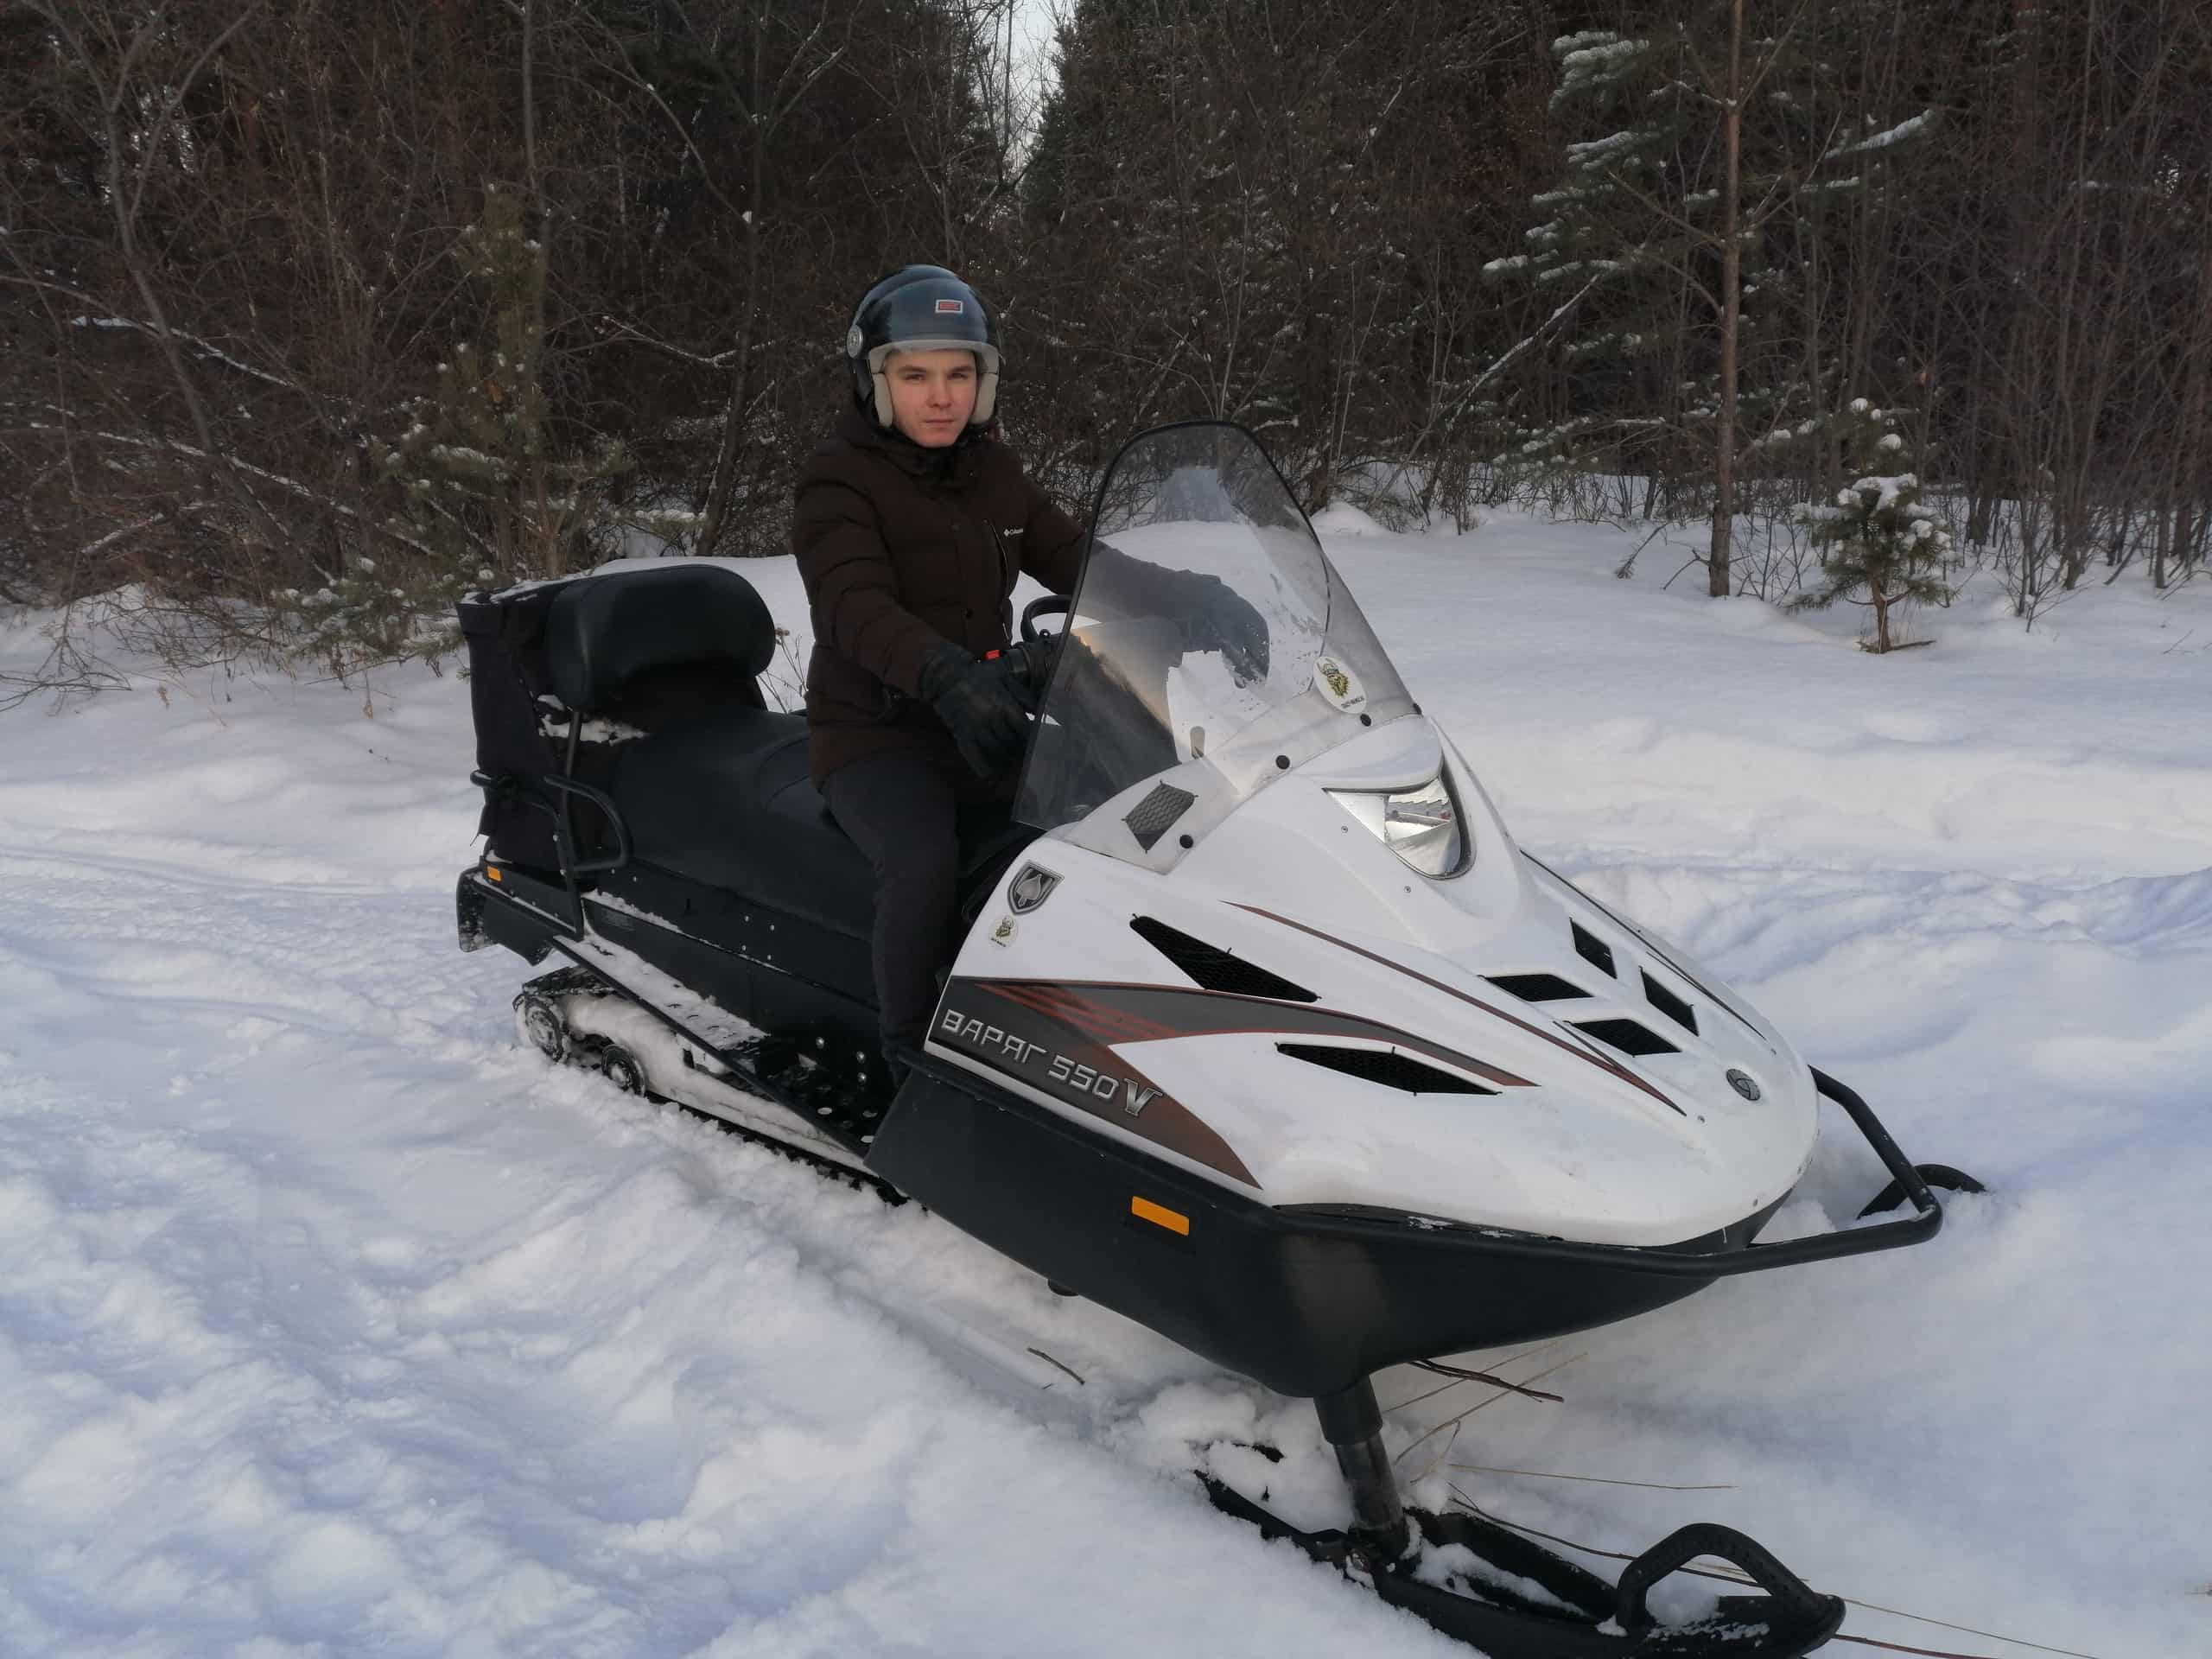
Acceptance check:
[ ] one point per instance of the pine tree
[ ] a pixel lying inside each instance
(1876, 537)
(1674, 255)
(484, 497)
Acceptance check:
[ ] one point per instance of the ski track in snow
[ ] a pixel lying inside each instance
(334, 1322)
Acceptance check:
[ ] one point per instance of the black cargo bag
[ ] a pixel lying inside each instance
(507, 693)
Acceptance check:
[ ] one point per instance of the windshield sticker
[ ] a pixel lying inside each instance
(1337, 684)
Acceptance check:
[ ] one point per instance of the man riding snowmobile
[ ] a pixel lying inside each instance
(911, 522)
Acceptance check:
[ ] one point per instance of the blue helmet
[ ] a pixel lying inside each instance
(920, 309)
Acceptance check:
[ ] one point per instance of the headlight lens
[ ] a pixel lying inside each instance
(1420, 825)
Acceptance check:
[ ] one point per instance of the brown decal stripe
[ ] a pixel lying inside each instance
(1062, 1038)
(1132, 1012)
(1603, 1062)
(1029, 1030)
(1098, 1021)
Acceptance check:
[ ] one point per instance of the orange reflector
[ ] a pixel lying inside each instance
(1159, 1215)
(493, 870)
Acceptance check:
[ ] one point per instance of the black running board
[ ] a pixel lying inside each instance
(1586, 1617)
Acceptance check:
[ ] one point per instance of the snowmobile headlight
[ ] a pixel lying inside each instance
(1420, 825)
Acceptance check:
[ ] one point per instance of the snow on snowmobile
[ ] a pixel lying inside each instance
(1263, 1032)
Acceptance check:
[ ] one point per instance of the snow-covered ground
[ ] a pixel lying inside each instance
(332, 1322)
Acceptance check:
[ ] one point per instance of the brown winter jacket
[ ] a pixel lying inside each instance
(902, 548)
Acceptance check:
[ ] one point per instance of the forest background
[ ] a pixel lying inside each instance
(313, 315)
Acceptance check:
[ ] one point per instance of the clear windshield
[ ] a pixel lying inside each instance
(1209, 641)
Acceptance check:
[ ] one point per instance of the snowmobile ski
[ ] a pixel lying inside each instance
(1506, 1594)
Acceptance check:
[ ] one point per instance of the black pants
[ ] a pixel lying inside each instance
(906, 811)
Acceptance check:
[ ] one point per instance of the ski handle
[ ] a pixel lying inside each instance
(1925, 1222)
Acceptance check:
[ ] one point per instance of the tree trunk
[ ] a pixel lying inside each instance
(1731, 299)
(721, 483)
(550, 548)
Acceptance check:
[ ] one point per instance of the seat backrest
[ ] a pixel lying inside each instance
(618, 624)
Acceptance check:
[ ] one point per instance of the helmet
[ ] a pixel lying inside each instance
(920, 309)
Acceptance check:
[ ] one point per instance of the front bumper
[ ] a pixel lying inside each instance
(1306, 1299)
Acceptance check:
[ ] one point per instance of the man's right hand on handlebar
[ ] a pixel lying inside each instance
(985, 705)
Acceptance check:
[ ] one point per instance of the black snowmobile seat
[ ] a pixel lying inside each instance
(726, 800)
(717, 793)
(609, 629)
(716, 789)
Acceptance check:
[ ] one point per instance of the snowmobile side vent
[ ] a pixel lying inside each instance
(1213, 967)
(1593, 949)
(1627, 1036)
(1537, 988)
(1150, 818)
(1670, 1005)
(1386, 1066)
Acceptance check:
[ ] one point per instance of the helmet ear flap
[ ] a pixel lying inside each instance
(884, 414)
(986, 397)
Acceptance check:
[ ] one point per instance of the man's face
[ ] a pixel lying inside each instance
(933, 394)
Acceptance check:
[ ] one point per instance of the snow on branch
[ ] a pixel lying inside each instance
(1903, 132)
(290, 486)
(201, 347)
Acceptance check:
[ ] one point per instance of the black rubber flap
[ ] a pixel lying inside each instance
(506, 668)
(1151, 817)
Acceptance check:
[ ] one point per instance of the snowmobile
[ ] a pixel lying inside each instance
(1263, 1032)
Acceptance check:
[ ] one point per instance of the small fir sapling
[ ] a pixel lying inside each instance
(1879, 546)
(481, 496)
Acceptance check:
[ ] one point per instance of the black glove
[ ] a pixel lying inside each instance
(1034, 660)
(1221, 619)
(981, 703)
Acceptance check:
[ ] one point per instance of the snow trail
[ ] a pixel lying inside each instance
(332, 1321)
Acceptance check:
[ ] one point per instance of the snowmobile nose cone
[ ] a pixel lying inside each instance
(1743, 1084)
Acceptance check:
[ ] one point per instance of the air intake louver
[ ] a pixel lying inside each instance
(1593, 949)
(1386, 1066)
(1537, 988)
(1214, 968)
(1670, 1005)
(1627, 1036)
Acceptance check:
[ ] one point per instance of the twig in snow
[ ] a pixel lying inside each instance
(1461, 1374)
(1598, 1480)
(1504, 1389)
(1070, 1370)
(1431, 1365)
